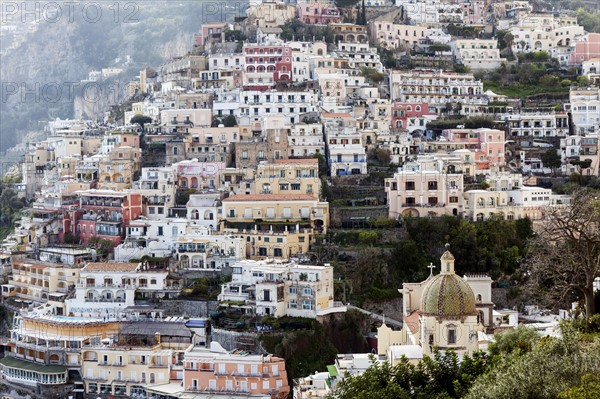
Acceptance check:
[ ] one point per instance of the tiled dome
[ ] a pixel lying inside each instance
(447, 295)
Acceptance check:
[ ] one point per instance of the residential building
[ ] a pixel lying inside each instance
(317, 12)
(427, 187)
(289, 176)
(143, 354)
(282, 289)
(437, 88)
(106, 290)
(345, 150)
(101, 213)
(393, 35)
(208, 252)
(584, 106)
(275, 225)
(537, 123)
(489, 145)
(477, 54)
(215, 371)
(305, 140)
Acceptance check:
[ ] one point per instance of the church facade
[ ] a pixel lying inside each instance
(445, 311)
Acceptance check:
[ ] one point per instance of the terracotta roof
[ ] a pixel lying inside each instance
(270, 197)
(309, 161)
(413, 322)
(111, 266)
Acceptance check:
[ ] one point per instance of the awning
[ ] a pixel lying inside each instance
(332, 370)
(15, 363)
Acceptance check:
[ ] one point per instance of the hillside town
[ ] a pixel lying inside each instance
(156, 245)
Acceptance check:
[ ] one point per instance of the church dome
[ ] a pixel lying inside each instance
(446, 295)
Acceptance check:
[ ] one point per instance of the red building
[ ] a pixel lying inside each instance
(101, 213)
(402, 113)
(266, 65)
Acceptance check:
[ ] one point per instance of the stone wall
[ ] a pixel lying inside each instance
(188, 308)
(232, 339)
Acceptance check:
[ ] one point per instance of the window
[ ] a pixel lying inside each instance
(295, 186)
(307, 305)
(453, 200)
(160, 230)
(307, 291)
(293, 290)
(410, 185)
(245, 154)
(432, 185)
(451, 335)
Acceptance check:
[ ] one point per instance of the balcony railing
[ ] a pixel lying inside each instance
(425, 205)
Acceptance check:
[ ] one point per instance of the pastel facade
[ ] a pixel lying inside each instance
(221, 373)
(275, 225)
(289, 176)
(317, 12)
(426, 188)
(488, 144)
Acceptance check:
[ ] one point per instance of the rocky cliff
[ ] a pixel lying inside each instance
(42, 76)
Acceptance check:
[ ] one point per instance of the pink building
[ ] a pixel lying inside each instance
(488, 144)
(212, 32)
(474, 11)
(316, 12)
(234, 374)
(403, 112)
(586, 48)
(266, 65)
(199, 175)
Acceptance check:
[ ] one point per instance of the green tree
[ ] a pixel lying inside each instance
(141, 120)
(520, 340)
(553, 365)
(551, 159)
(589, 388)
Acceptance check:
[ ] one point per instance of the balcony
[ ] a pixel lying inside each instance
(425, 205)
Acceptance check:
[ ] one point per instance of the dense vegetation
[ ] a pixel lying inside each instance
(313, 349)
(520, 364)
(373, 264)
(10, 206)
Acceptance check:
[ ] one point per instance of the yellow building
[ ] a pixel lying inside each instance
(144, 353)
(40, 282)
(289, 176)
(275, 225)
(117, 170)
(42, 348)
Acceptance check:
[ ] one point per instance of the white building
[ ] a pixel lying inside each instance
(477, 54)
(584, 105)
(346, 152)
(282, 289)
(105, 290)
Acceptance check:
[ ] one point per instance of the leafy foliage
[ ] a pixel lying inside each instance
(440, 376)
(554, 365)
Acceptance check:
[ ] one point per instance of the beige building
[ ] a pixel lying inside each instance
(282, 289)
(289, 176)
(392, 35)
(117, 170)
(40, 282)
(136, 359)
(271, 13)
